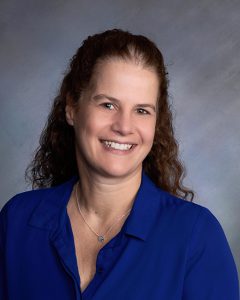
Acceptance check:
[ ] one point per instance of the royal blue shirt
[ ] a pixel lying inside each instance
(167, 249)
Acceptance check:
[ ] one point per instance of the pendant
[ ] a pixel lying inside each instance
(101, 239)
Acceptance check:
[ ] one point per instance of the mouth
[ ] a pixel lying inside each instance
(119, 146)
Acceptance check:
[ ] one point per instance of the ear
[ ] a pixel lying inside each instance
(69, 111)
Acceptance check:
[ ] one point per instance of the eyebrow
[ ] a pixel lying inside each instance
(101, 96)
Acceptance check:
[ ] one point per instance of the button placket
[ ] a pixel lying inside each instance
(99, 261)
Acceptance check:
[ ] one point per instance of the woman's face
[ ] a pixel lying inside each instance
(115, 122)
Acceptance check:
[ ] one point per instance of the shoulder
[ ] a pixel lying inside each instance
(175, 212)
(196, 227)
(43, 200)
(24, 201)
(199, 223)
(16, 212)
(194, 221)
(176, 207)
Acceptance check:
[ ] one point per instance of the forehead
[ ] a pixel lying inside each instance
(125, 78)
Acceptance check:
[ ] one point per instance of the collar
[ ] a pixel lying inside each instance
(49, 213)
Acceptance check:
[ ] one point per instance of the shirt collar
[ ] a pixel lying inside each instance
(49, 212)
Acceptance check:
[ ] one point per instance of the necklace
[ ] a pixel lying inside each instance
(99, 237)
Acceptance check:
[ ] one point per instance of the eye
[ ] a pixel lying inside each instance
(108, 105)
(143, 111)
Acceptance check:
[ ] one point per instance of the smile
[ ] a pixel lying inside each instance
(117, 146)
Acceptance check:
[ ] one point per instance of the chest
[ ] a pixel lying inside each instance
(86, 261)
(87, 248)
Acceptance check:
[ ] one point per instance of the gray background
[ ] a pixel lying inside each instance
(200, 41)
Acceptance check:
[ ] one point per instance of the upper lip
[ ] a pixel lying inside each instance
(110, 140)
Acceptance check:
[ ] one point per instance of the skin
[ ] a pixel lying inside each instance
(110, 180)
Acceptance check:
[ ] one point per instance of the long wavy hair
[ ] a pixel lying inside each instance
(55, 160)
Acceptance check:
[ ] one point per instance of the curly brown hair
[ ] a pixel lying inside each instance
(55, 161)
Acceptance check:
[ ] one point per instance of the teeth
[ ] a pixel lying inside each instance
(117, 146)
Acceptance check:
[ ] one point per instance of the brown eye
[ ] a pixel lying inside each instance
(143, 111)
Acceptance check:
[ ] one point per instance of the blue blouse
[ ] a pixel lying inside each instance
(168, 248)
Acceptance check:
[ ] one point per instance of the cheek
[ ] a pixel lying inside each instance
(94, 125)
(148, 132)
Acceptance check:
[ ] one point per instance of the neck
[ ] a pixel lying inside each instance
(104, 199)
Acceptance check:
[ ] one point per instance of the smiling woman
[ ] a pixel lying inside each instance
(110, 218)
(127, 51)
(129, 88)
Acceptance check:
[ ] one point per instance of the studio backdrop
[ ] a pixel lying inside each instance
(201, 44)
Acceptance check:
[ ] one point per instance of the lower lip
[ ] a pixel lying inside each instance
(116, 151)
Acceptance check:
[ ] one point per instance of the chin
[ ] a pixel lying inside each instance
(118, 171)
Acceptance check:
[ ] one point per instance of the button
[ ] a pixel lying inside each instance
(100, 269)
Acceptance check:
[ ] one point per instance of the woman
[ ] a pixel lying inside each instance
(110, 219)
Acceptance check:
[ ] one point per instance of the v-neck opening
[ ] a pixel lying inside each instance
(114, 242)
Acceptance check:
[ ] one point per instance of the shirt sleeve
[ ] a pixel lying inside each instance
(211, 271)
(3, 284)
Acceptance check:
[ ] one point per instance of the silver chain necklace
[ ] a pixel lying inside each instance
(99, 237)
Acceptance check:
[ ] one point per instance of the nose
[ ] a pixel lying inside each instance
(122, 123)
